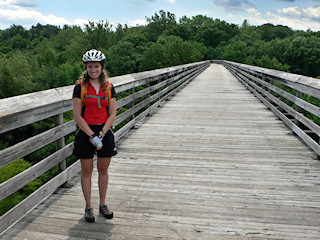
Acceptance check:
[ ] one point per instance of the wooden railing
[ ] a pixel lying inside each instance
(293, 98)
(143, 92)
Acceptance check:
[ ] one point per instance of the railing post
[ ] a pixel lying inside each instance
(271, 83)
(60, 143)
(297, 108)
(263, 78)
(159, 90)
(149, 94)
(318, 156)
(132, 91)
(283, 87)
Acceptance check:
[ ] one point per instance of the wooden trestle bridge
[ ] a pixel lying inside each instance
(201, 157)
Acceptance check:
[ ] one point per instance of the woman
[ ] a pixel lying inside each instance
(94, 118)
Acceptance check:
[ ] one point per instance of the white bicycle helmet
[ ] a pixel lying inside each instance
(93, 55)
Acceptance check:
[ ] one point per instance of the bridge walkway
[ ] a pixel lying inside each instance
(212, 163)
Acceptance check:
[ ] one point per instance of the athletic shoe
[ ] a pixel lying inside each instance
(107, 213)
(89, 215)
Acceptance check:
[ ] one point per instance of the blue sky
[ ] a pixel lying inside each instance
(297, 14)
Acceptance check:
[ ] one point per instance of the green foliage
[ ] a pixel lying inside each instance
(16, 73)
(10, 171)
(122, 58)
(157, 24)
(99, 34)
(212, 36)
(236, 51)
(153, 57)
(273, 63)
(181, 31)
(306, 48)
(13, 169)
(48, 56)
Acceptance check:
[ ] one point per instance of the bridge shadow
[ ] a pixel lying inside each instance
(79, 228)
(100, 229)
(61, 216)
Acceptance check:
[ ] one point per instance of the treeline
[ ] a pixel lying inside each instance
(45, 57)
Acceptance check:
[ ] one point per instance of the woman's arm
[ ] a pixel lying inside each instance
(78, 118)
(112, 115)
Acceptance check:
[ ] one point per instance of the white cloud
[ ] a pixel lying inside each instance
(255, 17)
(291, 11)
(312, 12)
(26, 16)
(299, 18)
(137, 22)
(171, 1)
(294, 23)
(288, 17)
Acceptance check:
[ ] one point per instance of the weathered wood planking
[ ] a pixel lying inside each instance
(308, 85)
(213, 163)
(174, 79)
(304, 127)
(29, 108)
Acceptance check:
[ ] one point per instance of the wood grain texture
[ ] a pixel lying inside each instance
(308, 85)
(212, 163)
(22, 110)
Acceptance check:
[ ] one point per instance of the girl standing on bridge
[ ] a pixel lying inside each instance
(94, 109)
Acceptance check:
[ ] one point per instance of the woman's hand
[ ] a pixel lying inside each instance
(96, 140)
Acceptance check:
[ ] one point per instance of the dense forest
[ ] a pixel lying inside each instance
(47, 56)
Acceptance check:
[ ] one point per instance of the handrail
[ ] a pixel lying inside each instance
(155, 87)
(286, 95)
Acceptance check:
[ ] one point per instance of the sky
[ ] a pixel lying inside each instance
(296, 14)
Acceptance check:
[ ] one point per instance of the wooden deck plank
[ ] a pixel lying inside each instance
(213, 163)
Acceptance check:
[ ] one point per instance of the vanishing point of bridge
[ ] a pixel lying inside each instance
(213, 162)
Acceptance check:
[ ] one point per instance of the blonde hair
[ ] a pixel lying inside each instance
(103, 78)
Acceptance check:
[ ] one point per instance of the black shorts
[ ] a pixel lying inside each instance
(84, 149)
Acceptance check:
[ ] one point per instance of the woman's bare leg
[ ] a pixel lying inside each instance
(103, 166)
(86, 175)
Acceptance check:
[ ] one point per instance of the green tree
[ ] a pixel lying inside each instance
(211, 37)
(282, 31)
(277, 47)
(43, 31)
(10, 171)
(177, 51)
(159, 23)
(273, 63)
(255, 52)
(266, 32)
(16, 73)
(46, 53)
(67, 74)
(295, 52)
(121, 59)
(181, 31)
(153, 58)
(8, 85)
(18, 42)
(236, 51)
(99, 34)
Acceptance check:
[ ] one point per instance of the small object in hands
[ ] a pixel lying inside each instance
(96, 140)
